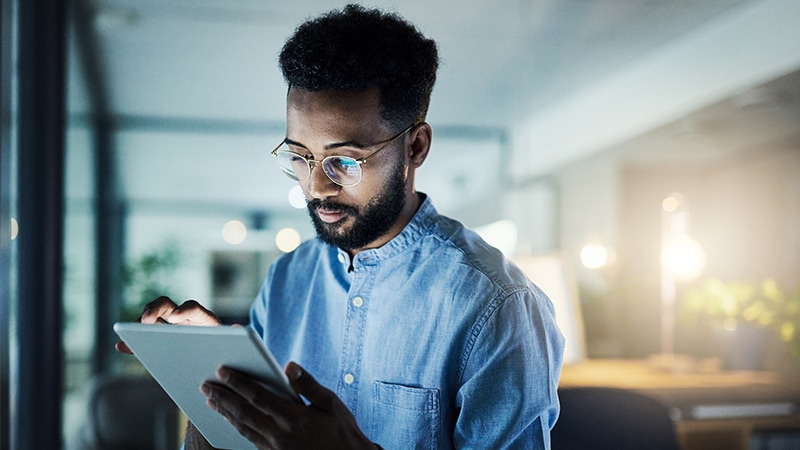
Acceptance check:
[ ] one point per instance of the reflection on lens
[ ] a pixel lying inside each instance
(293, 165)
(342, 170)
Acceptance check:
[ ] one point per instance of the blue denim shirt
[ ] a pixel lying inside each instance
(433, 340)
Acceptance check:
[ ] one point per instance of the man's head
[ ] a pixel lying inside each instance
(359, 87)
(357, 49)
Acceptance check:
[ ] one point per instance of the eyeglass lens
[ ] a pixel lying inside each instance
(342, 170)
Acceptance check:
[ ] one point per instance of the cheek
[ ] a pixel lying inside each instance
(361, 194)
(304, 187)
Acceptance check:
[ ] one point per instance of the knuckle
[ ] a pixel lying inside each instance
(158, 302)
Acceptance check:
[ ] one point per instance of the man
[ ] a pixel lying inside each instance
(403, 328)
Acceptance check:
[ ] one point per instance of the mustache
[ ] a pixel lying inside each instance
(329, 205)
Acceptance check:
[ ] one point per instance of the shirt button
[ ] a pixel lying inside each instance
(349, 378)
(358, 302)
(341, 258)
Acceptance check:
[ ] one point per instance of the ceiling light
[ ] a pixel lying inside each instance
(234, 232)
(594, 256)
(296, 197)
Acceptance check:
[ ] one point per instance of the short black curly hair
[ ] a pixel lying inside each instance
(355, 49)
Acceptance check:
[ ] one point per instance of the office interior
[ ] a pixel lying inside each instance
(642, 158)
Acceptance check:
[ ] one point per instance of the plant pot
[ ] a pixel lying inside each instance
(743, 348)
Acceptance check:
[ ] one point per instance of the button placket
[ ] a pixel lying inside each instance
(353, 343)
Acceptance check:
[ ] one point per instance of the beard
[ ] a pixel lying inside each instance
(370, 222)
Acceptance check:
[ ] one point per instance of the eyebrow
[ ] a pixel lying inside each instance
(335, 145)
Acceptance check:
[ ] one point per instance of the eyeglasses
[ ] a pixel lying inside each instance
(342, 170)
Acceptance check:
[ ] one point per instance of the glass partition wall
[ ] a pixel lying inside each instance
(150, 205)
(8, 221)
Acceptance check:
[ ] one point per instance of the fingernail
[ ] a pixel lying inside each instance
(294, 371)
(205, 389)
(223, 375)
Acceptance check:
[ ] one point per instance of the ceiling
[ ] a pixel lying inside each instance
(734, 130)
(563, 78)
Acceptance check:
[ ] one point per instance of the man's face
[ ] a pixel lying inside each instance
(349, 123)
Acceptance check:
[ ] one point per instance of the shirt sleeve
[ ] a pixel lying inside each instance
(258, 309)
(508, 395)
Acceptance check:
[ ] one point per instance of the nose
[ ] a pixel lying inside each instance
(319, 185)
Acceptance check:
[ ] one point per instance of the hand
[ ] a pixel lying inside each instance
(272, 422)
(164, 310)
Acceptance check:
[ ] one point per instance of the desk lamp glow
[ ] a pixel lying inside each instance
(682, 259)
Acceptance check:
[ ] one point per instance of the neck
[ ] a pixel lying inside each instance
(413, 202)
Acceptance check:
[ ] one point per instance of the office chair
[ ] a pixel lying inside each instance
(130, 412)
(599, 418)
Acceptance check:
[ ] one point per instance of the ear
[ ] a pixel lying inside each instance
(420, 144)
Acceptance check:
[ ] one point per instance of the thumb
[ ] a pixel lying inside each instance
(305, 385)
(123, 348)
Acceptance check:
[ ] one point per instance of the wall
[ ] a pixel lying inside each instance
(745, 212)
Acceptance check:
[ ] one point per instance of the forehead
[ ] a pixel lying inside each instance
(343, 114)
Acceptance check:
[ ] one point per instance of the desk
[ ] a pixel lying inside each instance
(682, 386)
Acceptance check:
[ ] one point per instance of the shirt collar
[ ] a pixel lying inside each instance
(423, 219)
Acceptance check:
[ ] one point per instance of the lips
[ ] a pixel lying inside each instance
(330, 212)
(330, 216)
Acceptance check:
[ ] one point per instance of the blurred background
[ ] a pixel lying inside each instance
(653, 146)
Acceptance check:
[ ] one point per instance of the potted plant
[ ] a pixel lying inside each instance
(148, 277)
(743, 313)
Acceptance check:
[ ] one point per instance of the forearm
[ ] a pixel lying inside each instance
(194, 440)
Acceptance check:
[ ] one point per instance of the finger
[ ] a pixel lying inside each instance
(249, 420)
(161, 307)
(123, 348)
(305, 385)
(264, 397)
(253, 435)
(191, 312)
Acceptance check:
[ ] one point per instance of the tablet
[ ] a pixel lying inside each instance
(181, 358)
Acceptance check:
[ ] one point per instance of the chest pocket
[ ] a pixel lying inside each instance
(406, 417)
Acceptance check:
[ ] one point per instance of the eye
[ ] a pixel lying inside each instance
(344, 163)
(294, 157)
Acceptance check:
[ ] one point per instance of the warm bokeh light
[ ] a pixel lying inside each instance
(14, 228)
(594, 256)
(296, 197)
(287, 239)
(685, 257)
(234, 232)
(671, 203)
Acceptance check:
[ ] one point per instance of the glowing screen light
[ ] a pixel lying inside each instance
(234, 232)
(287, 239)
(594, 256)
